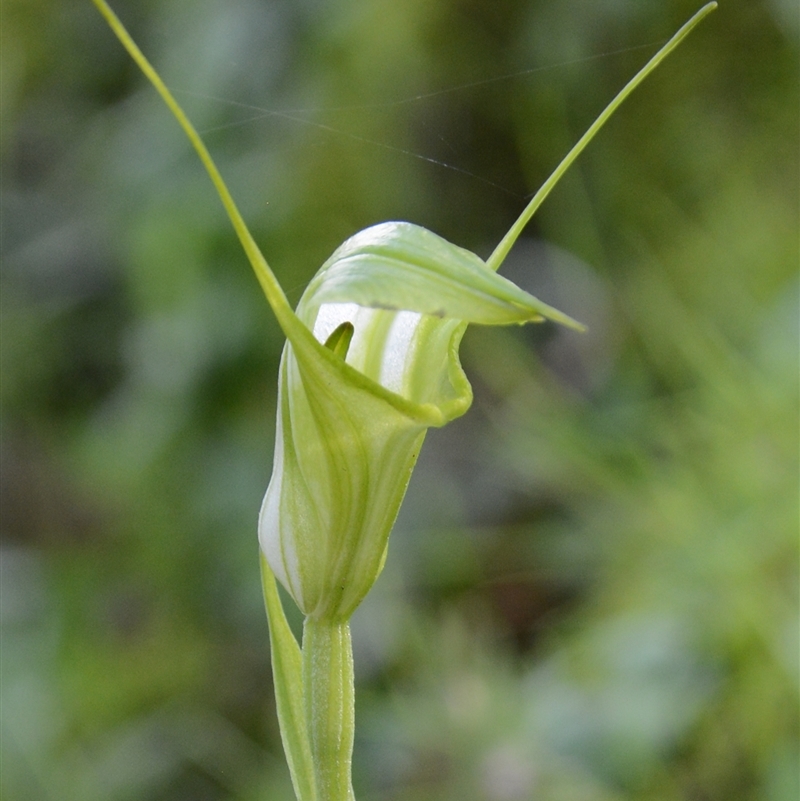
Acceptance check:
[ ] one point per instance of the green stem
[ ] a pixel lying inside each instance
(501, 251)
(330, 705)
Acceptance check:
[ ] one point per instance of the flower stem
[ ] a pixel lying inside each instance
(330, 705)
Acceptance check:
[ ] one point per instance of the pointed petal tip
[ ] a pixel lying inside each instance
(559, 317)
(575, 325)
(554, 315)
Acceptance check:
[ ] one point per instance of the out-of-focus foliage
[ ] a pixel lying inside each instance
(591, 594)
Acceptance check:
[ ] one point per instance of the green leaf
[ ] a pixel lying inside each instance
(287, 673)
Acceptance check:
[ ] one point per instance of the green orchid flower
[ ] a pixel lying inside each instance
(370, 363)
(391, 306)
(387, 312)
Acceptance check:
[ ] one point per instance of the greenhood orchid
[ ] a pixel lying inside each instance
(370, 363)
(350, 427)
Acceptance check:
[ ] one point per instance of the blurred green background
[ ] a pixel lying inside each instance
(591, 592)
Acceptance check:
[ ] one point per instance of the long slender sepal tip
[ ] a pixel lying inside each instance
(506, 243)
